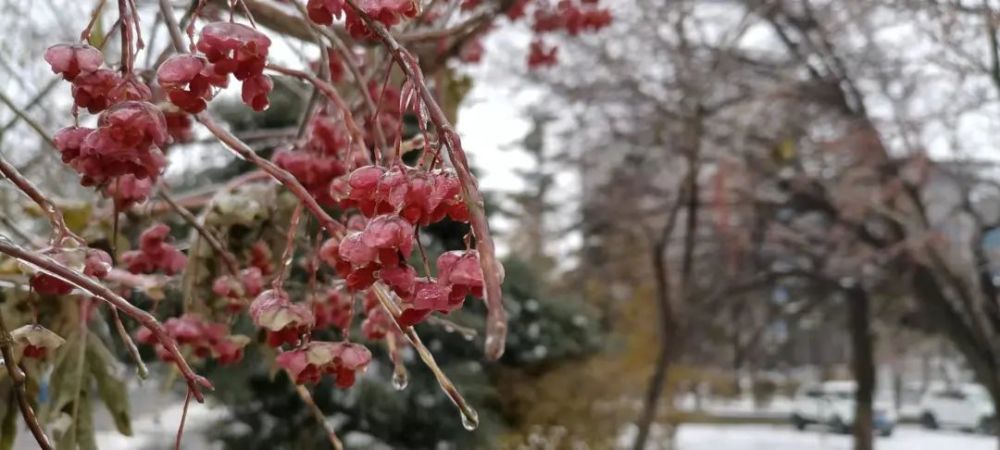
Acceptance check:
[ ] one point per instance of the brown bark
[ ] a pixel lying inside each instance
(863, 364)
(668, 324)
(668, 333)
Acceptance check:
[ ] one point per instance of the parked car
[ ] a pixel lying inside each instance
(964, 406)
(832, 404)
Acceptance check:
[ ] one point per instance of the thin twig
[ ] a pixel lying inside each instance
(348, 58)
(133, 351)
(35, 101)
(452, 327)
(229, 261)
(323, 72)
(331, 434)
(18, 378)
(280, 175)
(176, 35)
(331, 93)
(51, 211)
(180, 427)
(288, 255)
(469, 415)
(17, 230)
(27, 119)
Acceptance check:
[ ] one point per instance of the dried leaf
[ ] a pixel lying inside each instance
(85, 436)
(64, 381)
(112, 391)
(97, 34)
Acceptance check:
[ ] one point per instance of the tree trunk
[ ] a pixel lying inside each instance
(863, 364)
(668, 333)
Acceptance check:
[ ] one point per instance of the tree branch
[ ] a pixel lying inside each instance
(56, 269)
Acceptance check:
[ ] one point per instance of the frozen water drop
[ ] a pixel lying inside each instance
(470, 419)
(400, 380)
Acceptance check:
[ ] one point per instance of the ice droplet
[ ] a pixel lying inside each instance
(142, 371)
(470, 419)
(400, 380)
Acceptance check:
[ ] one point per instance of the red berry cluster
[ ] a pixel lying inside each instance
(472, 51)
(94, 88)
(420, 197)
(388, 12)
(382, 246)
(377, 324)
(178, 124)
(459, 275)
(285, 322)
(236, 291)
(155, 253)
(261, 258)
(398, 199)
(540, 55)
(94, 263)
(206, 339)
(571, 17)
(341, 360)
(320, 159)
(127, 141)
(128, 190)
(334, 308)
(189, 81)
(231, 48)
(390, 111)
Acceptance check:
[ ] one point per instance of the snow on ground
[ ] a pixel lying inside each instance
(158, 430)
(784, 437)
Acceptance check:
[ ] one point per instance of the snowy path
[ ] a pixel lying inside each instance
(767, 437)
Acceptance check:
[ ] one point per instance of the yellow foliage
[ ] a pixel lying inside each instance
(587, 404)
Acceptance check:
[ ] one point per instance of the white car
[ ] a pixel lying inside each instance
(963, 406)
(832, 404)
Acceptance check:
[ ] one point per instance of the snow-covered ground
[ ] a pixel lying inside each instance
(784, 437)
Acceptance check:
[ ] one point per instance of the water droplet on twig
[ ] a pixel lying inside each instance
(470, 419)
(400, 379)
